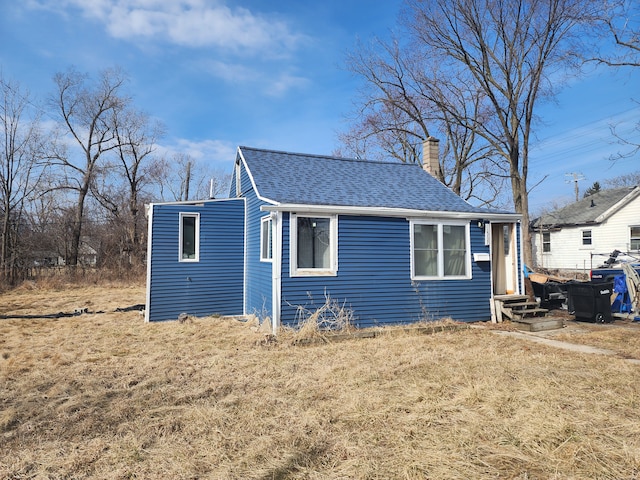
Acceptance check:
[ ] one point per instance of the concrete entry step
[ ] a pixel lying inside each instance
(538, 324)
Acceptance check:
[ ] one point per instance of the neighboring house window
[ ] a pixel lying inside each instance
(546, 242)
(266, 252)
(440, 250)
(314, 249)
(634, 243)
(189, 237)
(586, 237)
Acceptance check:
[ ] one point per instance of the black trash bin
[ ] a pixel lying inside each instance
(590, 301)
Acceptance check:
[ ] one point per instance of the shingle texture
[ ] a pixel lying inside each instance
(293, 178)
(584, 211)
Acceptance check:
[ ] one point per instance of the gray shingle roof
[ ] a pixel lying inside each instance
(584, 211)
(293, 178)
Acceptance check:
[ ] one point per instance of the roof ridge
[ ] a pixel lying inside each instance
(332, 157)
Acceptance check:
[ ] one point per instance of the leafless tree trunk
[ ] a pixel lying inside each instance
(85, 113)
(174, 177)
(21, 152)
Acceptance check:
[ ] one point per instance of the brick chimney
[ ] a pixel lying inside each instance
(430, 154)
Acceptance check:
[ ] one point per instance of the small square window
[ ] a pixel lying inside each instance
(586, 237)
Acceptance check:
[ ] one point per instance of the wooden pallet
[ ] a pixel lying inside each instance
(538, 324)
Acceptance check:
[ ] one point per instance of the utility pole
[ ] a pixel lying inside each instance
(575, 178)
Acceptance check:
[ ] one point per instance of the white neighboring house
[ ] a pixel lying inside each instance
(582, 234)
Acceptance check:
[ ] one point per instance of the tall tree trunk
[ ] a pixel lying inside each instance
(76, 231)
(4, 255)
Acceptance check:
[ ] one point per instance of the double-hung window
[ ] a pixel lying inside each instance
(314, 245)
(440, 250)
(546, 242)
(634, 238)
(586, 237)
(189, 237)
(266, 248)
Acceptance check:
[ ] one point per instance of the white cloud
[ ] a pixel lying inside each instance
(211, 151)
(274, 85)
(284, 83)
(190, 23)
(229, 72)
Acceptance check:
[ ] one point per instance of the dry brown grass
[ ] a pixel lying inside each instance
(622, 337)
(107, 396)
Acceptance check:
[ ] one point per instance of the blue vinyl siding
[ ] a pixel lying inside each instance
(259, 274)
(214, 284)
(374, 278)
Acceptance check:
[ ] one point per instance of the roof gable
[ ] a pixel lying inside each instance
(293, 178)
(593, 209)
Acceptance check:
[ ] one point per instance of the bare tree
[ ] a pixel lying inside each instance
(404, 102)
(615, 39)
(181, 178)
(86, 111)
(616, 43)
(119, 185)
(500, 54)
(47, 239)
(631, 179)
(21, 152)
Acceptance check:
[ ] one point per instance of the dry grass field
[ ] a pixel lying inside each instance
(107, 396)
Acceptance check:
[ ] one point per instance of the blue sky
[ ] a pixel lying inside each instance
(269, 74)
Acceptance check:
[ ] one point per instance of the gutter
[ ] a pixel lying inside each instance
(389, 212)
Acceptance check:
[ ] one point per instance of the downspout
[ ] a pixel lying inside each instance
(276, 271)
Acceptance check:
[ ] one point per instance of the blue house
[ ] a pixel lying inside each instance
(384, 239)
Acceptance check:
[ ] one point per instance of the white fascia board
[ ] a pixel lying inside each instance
(631, 196)
(390, 212)
(149, 252)
(195, 202)
(253, 183)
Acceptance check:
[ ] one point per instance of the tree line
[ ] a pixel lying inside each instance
(76, 172)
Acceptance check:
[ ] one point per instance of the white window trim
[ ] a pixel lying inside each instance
(632, 237)
(441, 275)
(294, 271)
(238, 172)
(584, 246)
(197, 255)
(264, 220)
(547, 252)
